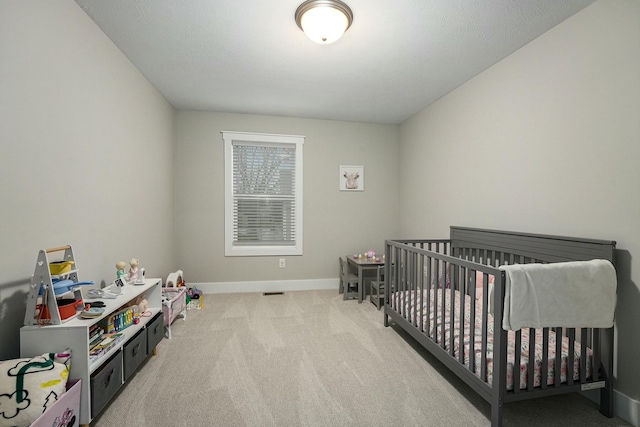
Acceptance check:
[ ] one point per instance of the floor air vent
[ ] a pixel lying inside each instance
(266, 294)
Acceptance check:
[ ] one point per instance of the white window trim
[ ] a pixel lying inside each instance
(260, 138)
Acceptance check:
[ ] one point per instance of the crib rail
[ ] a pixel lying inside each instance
(445, 294)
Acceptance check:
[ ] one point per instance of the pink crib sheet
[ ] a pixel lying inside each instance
(408, 300)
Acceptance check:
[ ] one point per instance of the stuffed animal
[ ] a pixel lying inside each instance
(142, 303)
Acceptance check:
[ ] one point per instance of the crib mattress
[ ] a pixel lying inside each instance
(439, 328)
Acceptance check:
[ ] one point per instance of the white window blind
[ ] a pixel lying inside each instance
(263, 206)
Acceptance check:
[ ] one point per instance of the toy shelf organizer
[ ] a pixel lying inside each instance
(42, 306)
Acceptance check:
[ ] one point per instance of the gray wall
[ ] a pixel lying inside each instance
(335, 222)
(87, 154)
(547, 141)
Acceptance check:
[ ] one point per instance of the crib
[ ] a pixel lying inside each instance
(448, 294)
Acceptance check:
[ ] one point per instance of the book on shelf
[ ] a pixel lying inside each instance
(107, 343)
(96, 340)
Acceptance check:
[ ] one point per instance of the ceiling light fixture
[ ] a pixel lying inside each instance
(324, 21)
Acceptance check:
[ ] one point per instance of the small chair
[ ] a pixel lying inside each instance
(377, 288)
(349, 285)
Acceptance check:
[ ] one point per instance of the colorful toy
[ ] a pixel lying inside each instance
(194, 293)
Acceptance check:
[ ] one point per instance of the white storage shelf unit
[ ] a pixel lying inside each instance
(74, 334)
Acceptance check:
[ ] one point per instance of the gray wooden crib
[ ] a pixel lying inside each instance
(441, 293)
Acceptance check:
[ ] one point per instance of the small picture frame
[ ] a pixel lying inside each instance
(351, 178)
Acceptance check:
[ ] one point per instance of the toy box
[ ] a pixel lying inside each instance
(65, 412)
(196, 303)
(195, 298)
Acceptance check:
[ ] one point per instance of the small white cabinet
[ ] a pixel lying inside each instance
(74, 334)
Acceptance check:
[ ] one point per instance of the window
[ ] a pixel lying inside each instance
(263, 194)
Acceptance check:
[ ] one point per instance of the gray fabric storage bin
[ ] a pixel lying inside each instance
(135, 351)
(155, 332)
(105, 382)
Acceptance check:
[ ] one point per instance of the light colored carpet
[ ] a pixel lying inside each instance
(310, 359)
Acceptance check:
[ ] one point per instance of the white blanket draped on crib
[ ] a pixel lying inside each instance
(577, 294)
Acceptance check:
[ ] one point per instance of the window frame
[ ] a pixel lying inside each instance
(261, 139)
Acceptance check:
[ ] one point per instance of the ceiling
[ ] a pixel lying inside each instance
(249, 56)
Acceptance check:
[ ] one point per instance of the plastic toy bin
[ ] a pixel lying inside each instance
(66, 410)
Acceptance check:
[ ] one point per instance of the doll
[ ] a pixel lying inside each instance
(120, 269)
(133, 271)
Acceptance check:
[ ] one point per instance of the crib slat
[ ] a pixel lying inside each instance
(558, 360)
(463, 291)
(436, 300)
(583, 355)
(531, 366)
(545, 358)
(407, 314)
(595, 346)
(401, 281)
(472, 328)
(396, 277)
(442, 307)
(414, 260)
(429, 287)
(416, 285)
(483, 364)
(517, 361)
(571, 334)
(412, 289)
(452, 311)
(407, 282)
(394, 290)
(421, 282)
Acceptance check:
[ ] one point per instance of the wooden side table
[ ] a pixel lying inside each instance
(363, 265)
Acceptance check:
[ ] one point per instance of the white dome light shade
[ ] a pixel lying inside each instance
(324, 21)
(324, 24)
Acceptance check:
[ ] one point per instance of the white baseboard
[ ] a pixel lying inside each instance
(267, 286)
(623, 406)
(626, 408)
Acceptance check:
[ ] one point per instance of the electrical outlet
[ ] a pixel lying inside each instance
(281, 262)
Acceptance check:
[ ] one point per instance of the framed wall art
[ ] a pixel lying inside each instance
(351, 178)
